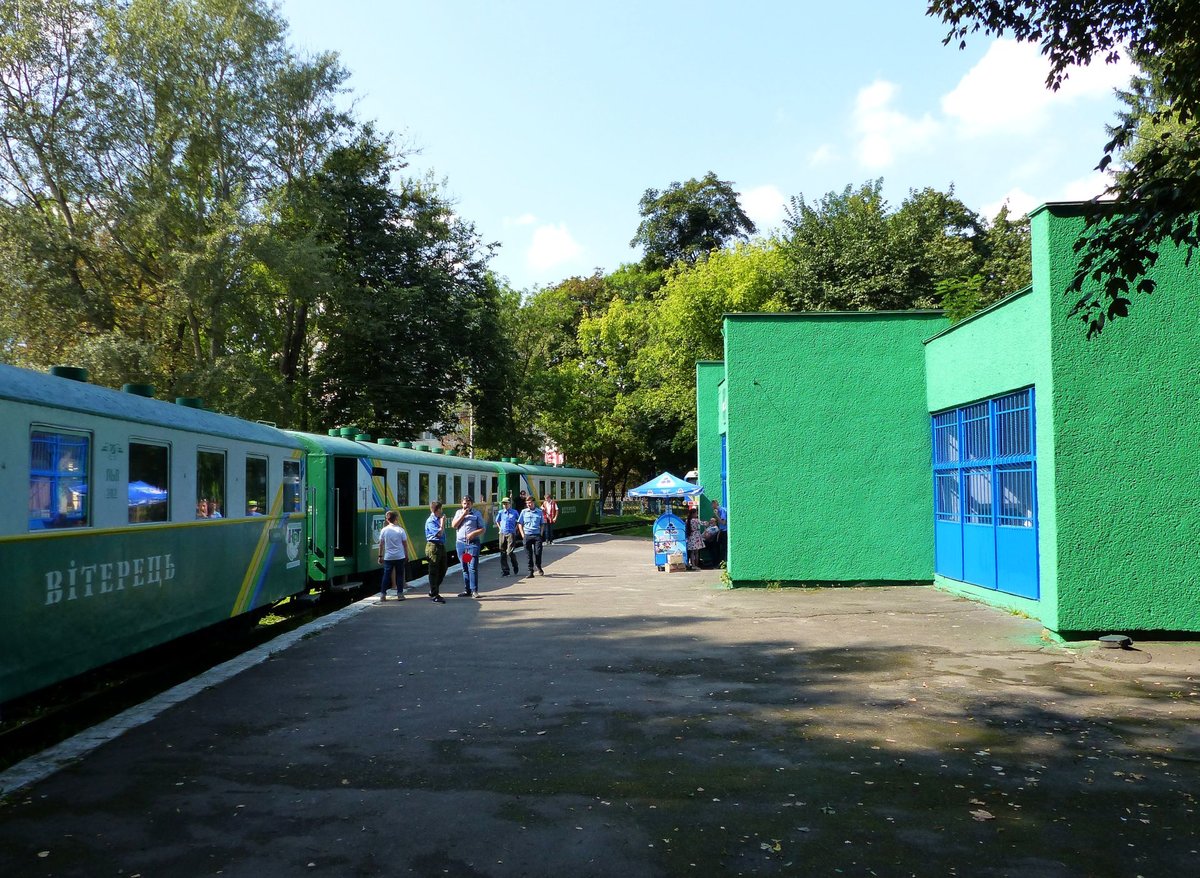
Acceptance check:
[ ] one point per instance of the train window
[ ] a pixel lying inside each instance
(210, 484)
(58, 479)
(256, 485)
(457, 489)
(573, 490)
(292, 500)
(402, 488)
(562, 490)
(423, 489)
(149, 481)
(541, 487)
(495, 489)
(471, 488)
(441, 491)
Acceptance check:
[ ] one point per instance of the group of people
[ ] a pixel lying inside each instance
(714, 534)
(533, 525)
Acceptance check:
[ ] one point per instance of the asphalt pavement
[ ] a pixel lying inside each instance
(610, 719)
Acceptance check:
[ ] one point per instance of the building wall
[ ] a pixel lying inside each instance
(829, 448)
(709, 375)
(1127, 418)
(1000, 350)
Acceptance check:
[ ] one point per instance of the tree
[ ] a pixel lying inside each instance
(1158, 189)
(849, 251)
(688, 220)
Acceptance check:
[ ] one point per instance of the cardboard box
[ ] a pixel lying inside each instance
(675, 563)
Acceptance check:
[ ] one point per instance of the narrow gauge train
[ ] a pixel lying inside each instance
(148, 520)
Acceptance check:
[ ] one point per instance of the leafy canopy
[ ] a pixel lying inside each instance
(688, 220)
(1158, 189)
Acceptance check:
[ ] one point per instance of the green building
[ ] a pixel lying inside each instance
(1009, 458)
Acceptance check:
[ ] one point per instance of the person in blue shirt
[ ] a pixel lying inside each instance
(506, 524)
(468, 526)
(530, 526)
(435, 550)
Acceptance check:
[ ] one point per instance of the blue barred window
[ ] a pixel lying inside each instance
(985, 493)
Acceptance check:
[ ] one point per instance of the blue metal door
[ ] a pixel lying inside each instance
(985, 498)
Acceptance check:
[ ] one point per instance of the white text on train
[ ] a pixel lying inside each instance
(87, 580)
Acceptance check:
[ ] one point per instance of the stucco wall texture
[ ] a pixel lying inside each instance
(1126, 425)
(829, 447)
(709, 375)
(1000, 350)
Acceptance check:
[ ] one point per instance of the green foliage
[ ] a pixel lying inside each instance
(182, 203)
(1158, 189)
(850, 252)
(688, 220)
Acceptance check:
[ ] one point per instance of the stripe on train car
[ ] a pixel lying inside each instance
(260, 561)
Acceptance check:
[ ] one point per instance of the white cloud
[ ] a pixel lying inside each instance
(1019, 203)
(764, 205)
(884, 132)
(823, 155)
(552, 246)
(1087, 187)
(525, 219)
(1006, 91)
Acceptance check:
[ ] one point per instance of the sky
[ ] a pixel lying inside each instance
(547, 121)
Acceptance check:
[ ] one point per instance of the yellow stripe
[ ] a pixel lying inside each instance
(258, 559)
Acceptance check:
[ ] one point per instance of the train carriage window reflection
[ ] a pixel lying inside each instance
(58, 479)
(423, 489)
(541, 487)
(210, 484)
(256, 486)
(292, 493)
(562, 491)
(471, 488)
(441, 491)
(402, 488)
(457, 489)
(572, 489)
(495, 489)
(149, 481)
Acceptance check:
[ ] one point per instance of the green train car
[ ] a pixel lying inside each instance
(354, 480)
(148, 520)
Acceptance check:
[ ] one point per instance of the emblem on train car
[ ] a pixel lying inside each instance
(295, 536)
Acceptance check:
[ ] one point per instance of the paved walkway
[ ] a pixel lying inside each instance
(607, 719)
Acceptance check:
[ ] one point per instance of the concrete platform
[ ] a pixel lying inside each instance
(608, 719)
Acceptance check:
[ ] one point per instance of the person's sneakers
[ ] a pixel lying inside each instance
(438, 599)
(504, 573)
(465, 594)
(399, 594)
(530, 576)
(383, 595)
(475, 595)
(541, 571)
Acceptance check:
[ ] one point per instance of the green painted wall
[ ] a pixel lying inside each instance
(1002, 349)
(709, 375)
(1127, 410)
(829, 449)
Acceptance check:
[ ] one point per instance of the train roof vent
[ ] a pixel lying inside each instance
(191, 402)
(348, 432)
(420, 446)
(334, 431)
(385, 441)
(146, 390)
(74, 373)
(438, 450)
(404, 445)
(362, 437)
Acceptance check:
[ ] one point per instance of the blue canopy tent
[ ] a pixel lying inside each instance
(670, 535)
(667, 485)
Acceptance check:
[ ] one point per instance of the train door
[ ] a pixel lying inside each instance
(345, 504)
